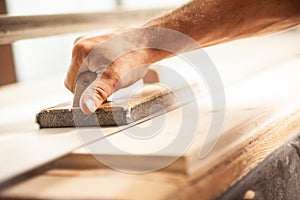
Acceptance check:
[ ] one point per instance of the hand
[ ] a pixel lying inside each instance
(116, 61)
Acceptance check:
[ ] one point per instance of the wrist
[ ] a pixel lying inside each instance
(153, 47)
(167, 42)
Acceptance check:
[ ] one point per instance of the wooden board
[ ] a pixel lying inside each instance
(258, 121)
(146, 102)
(251, 106)
(14, 28)
(31, 141)
(95, 183)
(277, 177)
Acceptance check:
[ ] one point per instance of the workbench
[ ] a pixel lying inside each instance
(255, 157)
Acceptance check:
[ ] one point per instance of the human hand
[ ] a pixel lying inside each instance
(116, 60)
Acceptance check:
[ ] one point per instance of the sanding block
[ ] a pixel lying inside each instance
(145, 102)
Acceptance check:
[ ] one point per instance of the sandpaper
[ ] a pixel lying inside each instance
(148, 101)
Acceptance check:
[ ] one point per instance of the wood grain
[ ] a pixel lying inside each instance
(244, 143)
(246, 116)
(207, 184)
(277, 177)
(14, 28)
(238, 162)
(96, 184)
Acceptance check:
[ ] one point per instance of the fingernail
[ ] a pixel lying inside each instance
(90, 105)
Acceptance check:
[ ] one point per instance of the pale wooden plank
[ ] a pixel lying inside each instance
(243, 144)
(14, 28)
(96, 184)
(39, 143)
(251, 105)
(72, 140)
(211, 182)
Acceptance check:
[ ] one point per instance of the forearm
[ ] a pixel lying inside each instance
(208, 22)
(211, 22)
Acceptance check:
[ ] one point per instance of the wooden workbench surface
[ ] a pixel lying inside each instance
(262, 113)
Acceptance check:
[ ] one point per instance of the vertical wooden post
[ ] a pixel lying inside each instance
(118, 4)
(7, 69)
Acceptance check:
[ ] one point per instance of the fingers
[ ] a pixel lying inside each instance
(81, 50)
(99, 90)
(71, 76)
(118, 75)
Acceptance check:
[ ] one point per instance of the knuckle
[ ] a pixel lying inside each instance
(101, 93)
(81, 48)
(113, 78)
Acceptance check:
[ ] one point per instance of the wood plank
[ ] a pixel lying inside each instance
(246, 115)
(276, 177)
(219, 170)
(216, 179)
(68, 183)
(65, 140)
(95, 184)
(13, 28)
(243, 144)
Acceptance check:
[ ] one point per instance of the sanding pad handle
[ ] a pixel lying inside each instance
(83, 81)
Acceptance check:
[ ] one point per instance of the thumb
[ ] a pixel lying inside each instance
(98, 91)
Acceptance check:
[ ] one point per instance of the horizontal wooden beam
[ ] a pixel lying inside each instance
(13, 28)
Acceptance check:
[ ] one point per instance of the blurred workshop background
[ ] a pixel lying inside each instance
(44, 57)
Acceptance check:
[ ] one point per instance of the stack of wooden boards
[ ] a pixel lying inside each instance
(262, 113)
